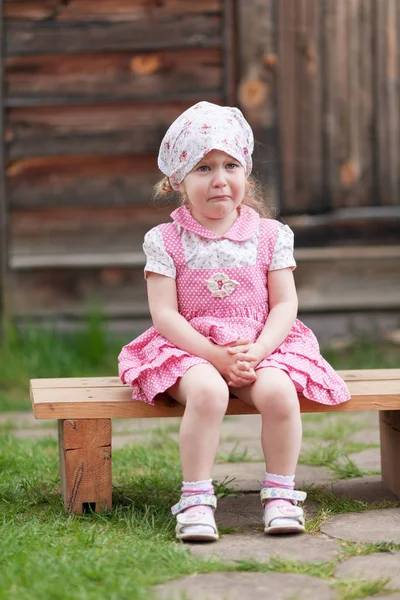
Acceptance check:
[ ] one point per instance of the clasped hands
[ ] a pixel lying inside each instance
(237, 361)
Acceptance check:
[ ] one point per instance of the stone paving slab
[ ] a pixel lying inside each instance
(260, 547)
(36, 434)
(248, 477)
(368, 460)
(128, 425)
(21, 419)
(245, 512)
(380, 565)
(366, 436)
(125, 439)
(367, 489)
(379, 525)
(391, 597)
(360, 419)
(241, 586)
(245, 449)
(243, 427)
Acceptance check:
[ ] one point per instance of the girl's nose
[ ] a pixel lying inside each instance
(219, 179)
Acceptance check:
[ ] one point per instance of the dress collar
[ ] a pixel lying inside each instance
(245, 226)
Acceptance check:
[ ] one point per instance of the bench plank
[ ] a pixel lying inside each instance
(96, 398)
(71, 382)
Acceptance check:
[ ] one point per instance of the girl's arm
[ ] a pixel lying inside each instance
(283, 306)
(282, 314)
(163, 303)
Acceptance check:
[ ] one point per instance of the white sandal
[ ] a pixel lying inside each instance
(283, 519)
(197, 520)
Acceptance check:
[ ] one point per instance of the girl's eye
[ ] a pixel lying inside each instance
(203, 168)
(231, 166)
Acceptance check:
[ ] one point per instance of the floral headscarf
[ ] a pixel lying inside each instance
(200, 129)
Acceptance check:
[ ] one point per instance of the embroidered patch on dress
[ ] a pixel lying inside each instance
(221, 286)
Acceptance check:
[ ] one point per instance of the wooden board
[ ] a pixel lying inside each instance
(106, 10)
(66, 284)
(117, 129)
(157, 31)
(99, 181)
(387, 99)
(258, 68)
(3, 196)
(369, 390)
(110, 76)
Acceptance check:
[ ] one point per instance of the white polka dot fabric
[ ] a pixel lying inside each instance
(219, 253)
(151, 364)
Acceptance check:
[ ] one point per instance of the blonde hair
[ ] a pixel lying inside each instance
(254, 195)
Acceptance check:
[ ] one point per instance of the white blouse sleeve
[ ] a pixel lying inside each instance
(158, 260)
(282, 257)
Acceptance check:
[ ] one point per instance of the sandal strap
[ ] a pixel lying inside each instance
(275, 512)
(282, 493)
(195, 500)
(185, 520)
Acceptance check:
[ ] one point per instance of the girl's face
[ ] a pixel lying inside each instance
(215, 187)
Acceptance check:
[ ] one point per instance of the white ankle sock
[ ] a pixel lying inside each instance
(280, 481)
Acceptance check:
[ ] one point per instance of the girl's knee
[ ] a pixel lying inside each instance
(209, 398)
(279, 398)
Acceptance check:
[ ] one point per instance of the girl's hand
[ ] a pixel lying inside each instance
(236, 372)
(250, 353)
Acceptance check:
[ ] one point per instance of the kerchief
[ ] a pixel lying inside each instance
(200, 129)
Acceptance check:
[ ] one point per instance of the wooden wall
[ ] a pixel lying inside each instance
(92, 85)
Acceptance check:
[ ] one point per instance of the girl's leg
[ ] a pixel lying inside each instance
(205, 396)
(275, 397)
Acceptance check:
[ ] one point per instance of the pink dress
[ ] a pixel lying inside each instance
(225, 304)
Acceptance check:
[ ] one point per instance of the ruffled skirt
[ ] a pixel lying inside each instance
(151, 364)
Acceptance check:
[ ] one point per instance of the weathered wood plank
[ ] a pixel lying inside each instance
(364, 190)
(387, 99)
(330, 119)
(343, 75)
(229, 43)
(61, 79)
(114, 402)
(89, 130)
(83, 181)
(3, 196)
(107, 230)
(106, 10)
(67, 287)
(112, 382)
(308, 158)
(258, 66)
(287, 99)
(155, 32)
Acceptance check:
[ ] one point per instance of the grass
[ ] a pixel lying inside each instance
(123, 553)
(34, 353)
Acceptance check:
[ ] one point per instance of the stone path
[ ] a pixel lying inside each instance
(345, 516)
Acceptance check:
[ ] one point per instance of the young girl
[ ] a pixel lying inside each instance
(223, 303)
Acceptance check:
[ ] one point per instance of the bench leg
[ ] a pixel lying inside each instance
(389, 425)
(85, 464)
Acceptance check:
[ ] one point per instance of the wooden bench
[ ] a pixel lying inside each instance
(84, 409)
